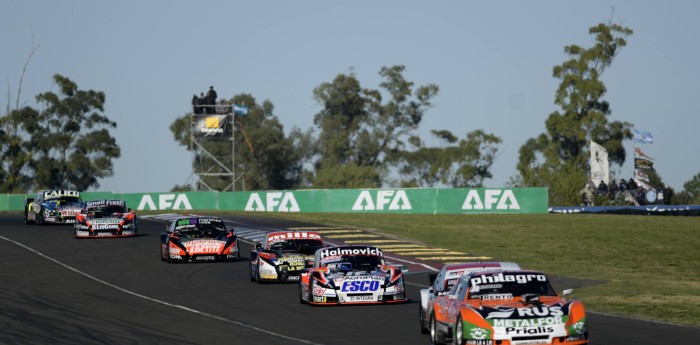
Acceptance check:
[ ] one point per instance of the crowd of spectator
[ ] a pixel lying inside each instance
(623, 193)
(204, 104)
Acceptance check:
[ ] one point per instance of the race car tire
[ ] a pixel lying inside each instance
(257, 274)
(250, 272)
(40, 216)
(421, 320)
(26, 215)
(458, 336)
(162, 254)
(301, 292)
(435, 336)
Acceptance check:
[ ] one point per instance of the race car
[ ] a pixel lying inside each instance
(53, 206)
(198, 239)
(351, 275)
(282, 255)
(442, 282)
(104, 219)
(507, 307)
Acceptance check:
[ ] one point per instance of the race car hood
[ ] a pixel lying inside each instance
(287, 258)
(505, 319)
(65, 210)
(203, 246)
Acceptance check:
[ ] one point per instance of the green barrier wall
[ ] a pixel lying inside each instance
(413, 201)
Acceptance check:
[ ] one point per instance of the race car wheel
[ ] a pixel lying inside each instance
(250, 272)
(458, 338)
(40, 216)
(435, 336)
(162, 253)
(301, 292)
(421, 320)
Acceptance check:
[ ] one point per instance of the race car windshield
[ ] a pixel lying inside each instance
(302, 246)
(108, 210)
(500, 287)
(67, 200)
(363, 262)
(201, 231)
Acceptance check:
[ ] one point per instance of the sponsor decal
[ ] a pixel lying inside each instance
(521, 323)
(350, 251)
(529, 331)
(360, 286)
(105, 226)
(479, 342)
(502, 199)
(319, 291)
(509, 278)
(281, 237)
(95, 203)
(274, 202)
(205, 258)
(478, 333)
(175, 256)
(165, 202)
(386, 200)
(359, 298)
(203, 246)
(490, 297)
(53, 194)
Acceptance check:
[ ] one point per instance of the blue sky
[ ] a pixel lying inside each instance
(492, 60)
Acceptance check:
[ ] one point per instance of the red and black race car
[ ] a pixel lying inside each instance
(198, 239)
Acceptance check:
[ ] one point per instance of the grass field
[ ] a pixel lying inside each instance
(645, 266)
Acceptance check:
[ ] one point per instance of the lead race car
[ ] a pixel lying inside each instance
(442, 282)
(351, 275)
(514, 307)
(282, 255)
(53, 206)
(198, 239)
(104, 219)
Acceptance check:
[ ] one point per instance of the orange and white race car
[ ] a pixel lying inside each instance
(351, 275)
(282, 255)
(508, 308)
(105, 219)
(198, 239)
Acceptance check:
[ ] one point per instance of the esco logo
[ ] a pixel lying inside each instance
(364, 285)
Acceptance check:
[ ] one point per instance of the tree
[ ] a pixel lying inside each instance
(65, 145)
(359, 131)
(690, 194)
(264, 157)
(558, 159)
(461, 163)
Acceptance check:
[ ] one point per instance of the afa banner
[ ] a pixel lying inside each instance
(211, 126)
(641, 136)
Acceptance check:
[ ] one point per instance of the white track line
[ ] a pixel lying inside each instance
(205, 314)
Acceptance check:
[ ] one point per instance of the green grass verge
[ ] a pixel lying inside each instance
(649, 265)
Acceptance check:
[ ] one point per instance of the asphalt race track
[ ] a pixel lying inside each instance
(60, 290)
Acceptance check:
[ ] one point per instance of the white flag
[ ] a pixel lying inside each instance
(600, 168)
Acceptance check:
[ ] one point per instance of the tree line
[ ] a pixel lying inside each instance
(361, 138)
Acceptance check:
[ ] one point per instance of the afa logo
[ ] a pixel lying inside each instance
(165, 202)
(386, 200)
(274, 202)
(502, 199)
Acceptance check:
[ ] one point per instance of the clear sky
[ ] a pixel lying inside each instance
(492, 60)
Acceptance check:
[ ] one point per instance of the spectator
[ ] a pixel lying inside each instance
(196, 102)
(612, 194)
(632, 186)
(668, 194)
(621, 190)
(602, 188)
(211, 99)
(587, 194)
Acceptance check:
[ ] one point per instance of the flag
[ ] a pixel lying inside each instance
(641, 163)
(640, 175)
(240, 110)
(600, 168)
(638, 153)
(642, 184)
(641, 136)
